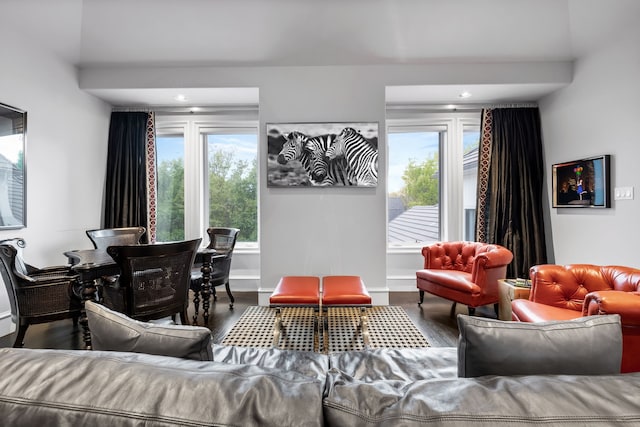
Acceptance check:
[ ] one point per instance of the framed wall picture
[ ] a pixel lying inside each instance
(584, 183)
(13, 131)
(322, 154)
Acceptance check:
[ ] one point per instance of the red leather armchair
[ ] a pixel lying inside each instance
(562, 292)
(464, 272)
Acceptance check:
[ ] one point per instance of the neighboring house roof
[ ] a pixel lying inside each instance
(395, 207)
(418, 224)
(470, 159)
(469, 162)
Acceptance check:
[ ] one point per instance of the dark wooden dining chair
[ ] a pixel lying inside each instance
(154, 280)
(102, 238)
(36, 295)
(223, 240)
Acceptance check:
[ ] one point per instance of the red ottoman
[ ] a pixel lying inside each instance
(344, 290)
(347, 291)
(293, 291)
(296, 291)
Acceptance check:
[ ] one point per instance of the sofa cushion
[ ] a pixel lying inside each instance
(525, 310)
(589, 345)
(490, 401)
(308, 363)
(397, 364)
(113, 331)
(95, 388)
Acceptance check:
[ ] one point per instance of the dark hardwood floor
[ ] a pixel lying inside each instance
(432, 318)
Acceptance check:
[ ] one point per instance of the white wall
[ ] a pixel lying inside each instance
(65, 154)
(598, 114)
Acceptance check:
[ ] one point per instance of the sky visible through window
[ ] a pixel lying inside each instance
(417, 146)
(404, 147)
(169, 148)
(243, 146)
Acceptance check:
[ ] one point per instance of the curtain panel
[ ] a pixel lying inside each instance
(510, 183)
(125, 203)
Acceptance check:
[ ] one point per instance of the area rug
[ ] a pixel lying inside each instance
(389, 327)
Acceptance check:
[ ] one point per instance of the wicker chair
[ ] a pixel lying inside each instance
(154, 280)
(37, 295)
(102, 238)
(223, 240)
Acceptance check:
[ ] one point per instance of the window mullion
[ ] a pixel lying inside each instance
(453, 195)
(193, 183)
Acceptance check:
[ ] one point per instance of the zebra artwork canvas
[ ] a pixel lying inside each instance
(297, 155)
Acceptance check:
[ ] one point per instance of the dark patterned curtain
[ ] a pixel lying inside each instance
(510, 183)
(125, 202)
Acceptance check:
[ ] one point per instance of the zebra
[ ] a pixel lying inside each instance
(311, 153)
(361, 157)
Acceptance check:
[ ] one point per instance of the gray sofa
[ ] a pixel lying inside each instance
(272, 387)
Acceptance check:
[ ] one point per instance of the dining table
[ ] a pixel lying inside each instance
(93, 264)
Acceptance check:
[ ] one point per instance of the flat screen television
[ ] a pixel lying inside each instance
(582, 183)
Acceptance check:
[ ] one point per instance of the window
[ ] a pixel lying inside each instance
(413, 184)
(233, 182)
(470, 145)
(431, 177)
(170, 182)
(207, 176)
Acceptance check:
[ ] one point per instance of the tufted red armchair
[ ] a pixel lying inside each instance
(562, 292)
(464, 272)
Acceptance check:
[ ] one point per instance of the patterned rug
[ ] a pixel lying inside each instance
(388, 326)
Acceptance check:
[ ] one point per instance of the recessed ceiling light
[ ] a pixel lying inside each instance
(180, 98)
(465, 94)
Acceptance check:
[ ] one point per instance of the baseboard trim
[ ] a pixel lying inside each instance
(6, 324)
(402, 283)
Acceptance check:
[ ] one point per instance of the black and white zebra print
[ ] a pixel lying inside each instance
(361, 157)
(311, 153)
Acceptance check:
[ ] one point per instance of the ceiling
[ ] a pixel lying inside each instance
(163, 33)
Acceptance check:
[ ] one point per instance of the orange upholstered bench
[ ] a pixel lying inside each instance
(293, 291)
(296, 291)
(344, 291)
(304, 291)
(347, 291)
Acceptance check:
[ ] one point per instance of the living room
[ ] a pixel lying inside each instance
(54, 79)
(69, 63)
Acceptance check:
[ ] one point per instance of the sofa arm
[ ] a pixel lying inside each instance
(493, 256)
(626, 304)
(490, 264)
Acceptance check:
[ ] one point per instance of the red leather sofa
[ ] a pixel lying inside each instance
(562, 292)
(464, 272)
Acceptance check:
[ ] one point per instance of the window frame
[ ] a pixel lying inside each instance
(195, 128)
(451, 209)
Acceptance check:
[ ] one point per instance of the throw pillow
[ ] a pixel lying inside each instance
(113, 331)
(590, 345)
